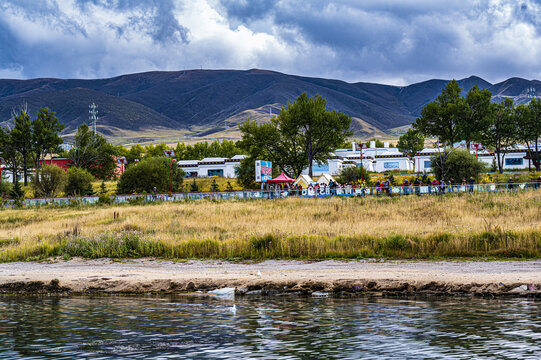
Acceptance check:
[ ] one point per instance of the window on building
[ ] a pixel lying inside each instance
(216, 172)
(513, 161)
(427, 164)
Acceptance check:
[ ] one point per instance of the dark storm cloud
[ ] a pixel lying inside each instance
(372, 40)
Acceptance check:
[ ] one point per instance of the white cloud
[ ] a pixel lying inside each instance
(380, 41)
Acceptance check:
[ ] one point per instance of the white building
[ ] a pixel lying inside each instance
(211, 166)
(513, 159)
(374, 159)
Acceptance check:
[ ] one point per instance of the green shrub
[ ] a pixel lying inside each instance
(352, 174)
(194, 187)
(214, 186)
(16, 192)
(149, 174)
(79, 182)
(457, 165)
(49, 181)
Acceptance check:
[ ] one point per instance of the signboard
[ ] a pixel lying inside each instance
(122, 160)
(359, 146)
(391, 165)
(322, 167)
(169, 153)
(263, 171)
(476, 146)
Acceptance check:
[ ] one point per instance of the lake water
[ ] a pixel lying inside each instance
(168, 327)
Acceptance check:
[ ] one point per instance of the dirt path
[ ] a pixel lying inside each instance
(275, 277)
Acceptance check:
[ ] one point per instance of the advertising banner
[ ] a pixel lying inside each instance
(263, 171)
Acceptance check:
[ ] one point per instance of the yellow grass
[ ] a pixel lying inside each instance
(513, 218)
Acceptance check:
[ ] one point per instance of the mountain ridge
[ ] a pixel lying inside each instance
(201, 101)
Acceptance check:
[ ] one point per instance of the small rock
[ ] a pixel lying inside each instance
(320, 294)
(241, 291)
(223, 292)
(519, 289)
(254, 293)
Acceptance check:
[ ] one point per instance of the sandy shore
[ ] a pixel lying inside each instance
(519, 278)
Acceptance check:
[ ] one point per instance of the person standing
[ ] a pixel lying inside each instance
(510, 184)
(387, 187)
(472, 182)
(443, 186)
(417, 186)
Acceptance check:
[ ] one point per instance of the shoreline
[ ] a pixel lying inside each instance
(275, 277)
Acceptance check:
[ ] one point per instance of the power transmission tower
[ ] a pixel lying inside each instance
(93, 118)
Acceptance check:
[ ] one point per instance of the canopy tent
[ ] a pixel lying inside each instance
(281, 179)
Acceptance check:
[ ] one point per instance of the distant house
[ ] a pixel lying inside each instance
(64, 163)
(209, 167)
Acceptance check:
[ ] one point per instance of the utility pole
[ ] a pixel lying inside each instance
(93, 118)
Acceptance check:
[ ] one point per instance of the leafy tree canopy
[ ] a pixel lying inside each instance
(457, 165)
(93, 153)
(411, 143)
(304, 132)
(148, 174)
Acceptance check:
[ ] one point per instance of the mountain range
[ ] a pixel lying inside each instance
(197, 103)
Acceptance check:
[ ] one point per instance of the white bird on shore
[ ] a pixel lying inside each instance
(258, 273)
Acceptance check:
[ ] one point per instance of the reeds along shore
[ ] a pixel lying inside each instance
(502, 225)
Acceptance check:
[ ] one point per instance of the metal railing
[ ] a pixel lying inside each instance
(411, 190)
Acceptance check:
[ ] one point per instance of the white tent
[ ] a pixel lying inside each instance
(303, 180)
(325, 179)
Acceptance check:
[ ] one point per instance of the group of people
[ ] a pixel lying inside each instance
(408, 187)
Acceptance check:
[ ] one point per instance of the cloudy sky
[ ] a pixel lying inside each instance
(387, 41)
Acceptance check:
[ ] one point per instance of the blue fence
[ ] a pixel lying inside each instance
(278, 193)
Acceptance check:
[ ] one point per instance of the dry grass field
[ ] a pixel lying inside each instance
(503, 225)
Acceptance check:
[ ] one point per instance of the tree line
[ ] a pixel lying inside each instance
(197, 151)
(499, 126)
(26, 143)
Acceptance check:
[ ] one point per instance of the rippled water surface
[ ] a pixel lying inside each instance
(294, 328)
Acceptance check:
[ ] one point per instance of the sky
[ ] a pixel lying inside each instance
(395, 42)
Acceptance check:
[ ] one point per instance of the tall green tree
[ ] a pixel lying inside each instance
(8, 151)
(92, 152)
(283, 145)
(529, 128)
(473, 118)
(411, 143)
(45, 135)
(442, 117)
(22, 139)
(304, 132)
(501, 132)
(321, 130)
